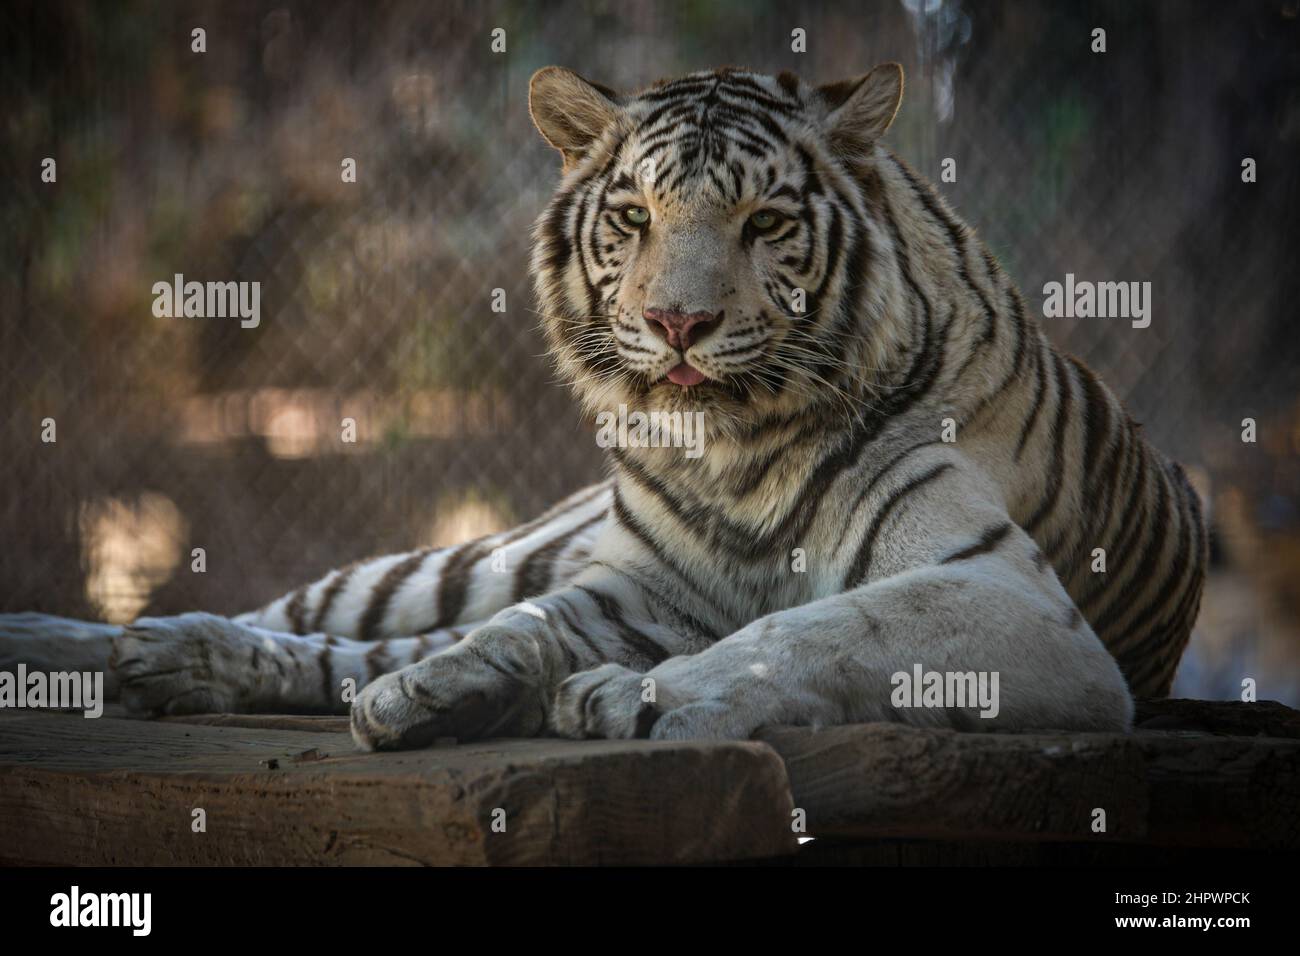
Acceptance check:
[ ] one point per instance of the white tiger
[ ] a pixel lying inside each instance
(746, 247)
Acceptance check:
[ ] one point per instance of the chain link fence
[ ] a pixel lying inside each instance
(377, 296)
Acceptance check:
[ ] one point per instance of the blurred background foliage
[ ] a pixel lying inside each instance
(175, 434)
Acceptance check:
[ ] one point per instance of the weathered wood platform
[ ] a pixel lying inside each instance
(293, 790)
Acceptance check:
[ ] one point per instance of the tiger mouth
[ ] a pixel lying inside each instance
(686, 375)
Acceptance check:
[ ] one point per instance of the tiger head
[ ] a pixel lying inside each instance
(711, 246)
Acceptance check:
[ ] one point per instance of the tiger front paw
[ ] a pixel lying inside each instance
(614, 702)
(194, 664)
(489, 685)
(609, 701)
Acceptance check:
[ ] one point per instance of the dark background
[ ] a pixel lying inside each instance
(183, 433)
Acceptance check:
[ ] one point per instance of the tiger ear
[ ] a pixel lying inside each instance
(569, 111)
(863, 108)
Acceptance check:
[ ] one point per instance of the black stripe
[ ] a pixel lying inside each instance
(295, 610)
(1133, 531)
(1180, 635)
(642, 534)
(1022, 334)
(956, 237)
(756, 471)
(692, 623)
(454, 577)
(928, 360)
(1054, 545)
(861, 566)
(571, 660)
(1138, 674)
(510, 675)
(1159, 655)
(637, 640)
(1152, 552)
(577, 630)
(989, 540)
(794, 526)
(1132, 460)
(759, 94)
(332, 590)
(1099, 427)
(454, 580)
(1065, 401)
(689, 513)
(1155, 528)
(857, 273)
(1114, 472)
(581, 238)
(534, 574)
(1036, 404)
(882, 472)
(1098, 424)
(378, 660)
(676, 92)
(1165, 644)
(553, 236)
(1181, 572)
(1020, 325)
(557, 244)
(373, 616)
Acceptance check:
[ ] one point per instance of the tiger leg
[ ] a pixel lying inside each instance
(431, 589)
(596, 660)
(1005, 630)
(47, 644)
(201, 663)
(502, 679)
(198, 661)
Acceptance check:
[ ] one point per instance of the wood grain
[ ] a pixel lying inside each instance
(113, 792)
(888, 780)
(291, 790)
(1207, 788)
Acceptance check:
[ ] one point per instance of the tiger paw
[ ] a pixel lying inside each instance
(706, 720)
(613, 702)
(608, 701)
(489, 685)
(193, 664)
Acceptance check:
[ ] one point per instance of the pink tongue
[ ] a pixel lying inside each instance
(685, 375)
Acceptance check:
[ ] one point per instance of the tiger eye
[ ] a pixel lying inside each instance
(636, 215)
(764, 219)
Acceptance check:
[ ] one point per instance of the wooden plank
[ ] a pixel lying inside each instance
(117, 792)
(1172, 788)
(1264, 718)
(1209, 790)
(889, 780)
(338, 725)
(292, 789)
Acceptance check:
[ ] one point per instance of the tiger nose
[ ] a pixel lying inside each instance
(680, 329)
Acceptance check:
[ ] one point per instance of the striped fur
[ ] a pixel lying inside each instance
(671, 600)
